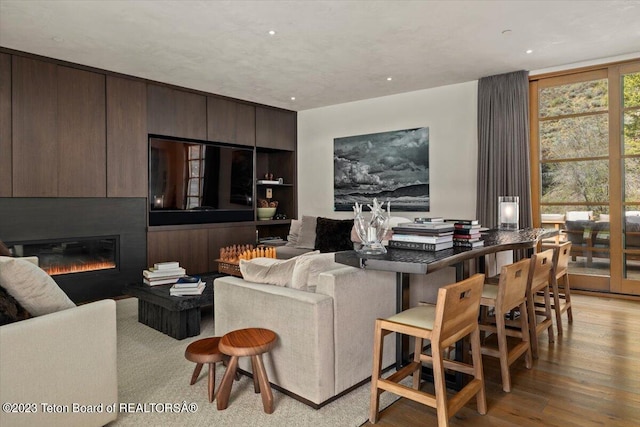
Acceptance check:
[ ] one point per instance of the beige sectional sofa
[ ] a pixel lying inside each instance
(325, 335)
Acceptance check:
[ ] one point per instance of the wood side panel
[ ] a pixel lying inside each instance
(34, 128)
(221, 120)
(127, 146)
(5, 125)
(81, 134)
(245, 124)
(188, 247)
(176, 113)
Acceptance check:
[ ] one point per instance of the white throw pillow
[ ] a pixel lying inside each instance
(294, 232)
(307, 238)
(268, 271)
(307, 269)
(32, 287)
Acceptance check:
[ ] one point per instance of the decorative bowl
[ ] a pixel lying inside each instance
(265, 214)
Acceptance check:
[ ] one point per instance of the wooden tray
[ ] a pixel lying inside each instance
(231, 268)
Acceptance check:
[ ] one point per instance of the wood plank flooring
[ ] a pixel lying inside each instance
(589, 377)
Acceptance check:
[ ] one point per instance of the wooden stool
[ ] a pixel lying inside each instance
(247, 342)
(205, 351)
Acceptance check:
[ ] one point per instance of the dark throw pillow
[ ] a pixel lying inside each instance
(333, 235)
(4, 251)
(10, 309)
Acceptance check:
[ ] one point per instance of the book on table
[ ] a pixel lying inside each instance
(188, 282)
(463, 221)
(418, 246)
(422, 238)
(421, 220)
(169, 265)
(441, 226)
(174, 291)
(165, 273)
(163, 281)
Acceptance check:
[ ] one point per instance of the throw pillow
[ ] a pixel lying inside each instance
(4, 251)
(34, 289)
(294, 232)
(307, 239)
(333, 235)
(307, 269)
(268, 271)
(10, 309)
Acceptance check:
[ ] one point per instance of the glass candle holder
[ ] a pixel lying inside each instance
(508, 212)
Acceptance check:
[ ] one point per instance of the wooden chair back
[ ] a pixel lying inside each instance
(512, 288)
(561, 258)
(457, 310)
(540, 270)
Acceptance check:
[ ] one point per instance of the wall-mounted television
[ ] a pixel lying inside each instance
(196, 182)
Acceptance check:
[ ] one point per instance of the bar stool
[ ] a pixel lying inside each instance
(205, 351)
(540, 277)
(252, 342)
(510, 293)
(454, 317)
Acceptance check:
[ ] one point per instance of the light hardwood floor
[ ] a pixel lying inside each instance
(589, 377)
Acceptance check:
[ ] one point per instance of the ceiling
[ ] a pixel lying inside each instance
(323, 52)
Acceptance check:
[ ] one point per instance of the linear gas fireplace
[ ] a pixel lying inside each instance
(72, 256)
(92, 247)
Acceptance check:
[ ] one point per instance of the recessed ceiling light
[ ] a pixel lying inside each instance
(272, 32)
(389, 79)
(506, 32)
(529, 51)
(293, 98)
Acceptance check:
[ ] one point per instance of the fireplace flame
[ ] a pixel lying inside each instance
(77, 268)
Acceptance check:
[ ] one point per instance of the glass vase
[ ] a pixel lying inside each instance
(371, 231)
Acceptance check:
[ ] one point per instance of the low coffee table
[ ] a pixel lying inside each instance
(178, 317)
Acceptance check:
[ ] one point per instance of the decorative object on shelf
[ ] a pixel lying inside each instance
(371, 232)
(230, 256)
(280, 216)
(158, 201)
(266, 209)
(508, 212)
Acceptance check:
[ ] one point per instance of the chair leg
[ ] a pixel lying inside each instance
(556, 304)
(375, 375)
(524, 328)
(503, 351)
(476, 357)
(227, 381)
(265, 387)
(531, 314)
(567, 297)
(416, 358)
(547, 311)
(442, 408)
(196, 373)
(212, 380)
(256, 383)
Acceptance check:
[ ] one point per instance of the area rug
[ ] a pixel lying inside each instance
(153, 386)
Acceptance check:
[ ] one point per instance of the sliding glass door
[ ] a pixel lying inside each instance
(585, 151)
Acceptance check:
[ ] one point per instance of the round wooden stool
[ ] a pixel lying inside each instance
(251, 342)
(205, 351)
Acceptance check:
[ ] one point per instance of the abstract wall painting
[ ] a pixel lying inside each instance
(390, 166)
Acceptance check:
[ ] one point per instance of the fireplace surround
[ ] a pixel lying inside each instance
(111, 231)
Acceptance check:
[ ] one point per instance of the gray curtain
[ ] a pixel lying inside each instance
(503, 145)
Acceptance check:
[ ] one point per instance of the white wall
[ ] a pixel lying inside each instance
(450, 112)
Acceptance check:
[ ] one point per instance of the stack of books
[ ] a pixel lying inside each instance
(466, 233)
(187, 285)
(424, 234)
(163, 273)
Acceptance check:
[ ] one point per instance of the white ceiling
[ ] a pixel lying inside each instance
(324, 52)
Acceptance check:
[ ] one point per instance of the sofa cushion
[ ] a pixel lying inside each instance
(307, 239)
(333, 235)
(269, 271)
(32, 287)
(307, 269)
(294, 232)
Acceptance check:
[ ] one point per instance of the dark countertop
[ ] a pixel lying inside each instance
(422, 262)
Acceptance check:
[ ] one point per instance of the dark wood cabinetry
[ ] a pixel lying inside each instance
(127, 145)
(5, 125)
(275, 128)
(230, 121)
(172, 112)
(35, 128)
(81, 134)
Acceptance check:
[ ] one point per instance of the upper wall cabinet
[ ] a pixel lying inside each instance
(82, 159)
(127, 146)
(276, 128)
(176, 113)
(230, 121)
(5, 125)
(35, 128)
